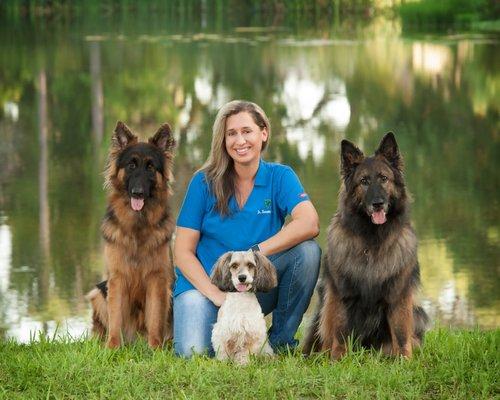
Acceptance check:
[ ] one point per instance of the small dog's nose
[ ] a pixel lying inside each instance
(242, 278)
(378, 204)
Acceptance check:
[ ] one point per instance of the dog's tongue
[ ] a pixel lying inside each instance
(136, 204)
(378, 217)
(241, 287)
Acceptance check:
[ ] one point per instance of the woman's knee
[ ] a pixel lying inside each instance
(307, 261)
(194, 316)
(189, 346)
(309, 253)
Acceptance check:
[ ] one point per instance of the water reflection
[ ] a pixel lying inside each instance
(62, 96)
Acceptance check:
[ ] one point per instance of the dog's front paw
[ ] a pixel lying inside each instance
(403, 351)
(154, 343)
(338, 352)
(113, 342)
(241, 359)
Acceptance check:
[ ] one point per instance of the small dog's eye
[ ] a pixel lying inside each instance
(383, 178)
(131, 165)
(150, 167)
(233, 266)
(364, 181)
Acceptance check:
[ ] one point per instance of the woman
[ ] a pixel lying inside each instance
(237, 201)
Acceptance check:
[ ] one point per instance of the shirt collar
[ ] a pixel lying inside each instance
(261, 178)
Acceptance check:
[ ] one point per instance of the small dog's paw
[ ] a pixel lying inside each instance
(242, 360)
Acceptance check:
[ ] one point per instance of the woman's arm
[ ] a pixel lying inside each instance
(303, 226)
(185, 259)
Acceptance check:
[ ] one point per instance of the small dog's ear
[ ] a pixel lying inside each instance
(351, 157)
(388, 149)
(265, 274)
(163, 138)
(122, 136)
(221, 275)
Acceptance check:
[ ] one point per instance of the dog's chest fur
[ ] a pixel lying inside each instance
(241, 312)
(350, 255)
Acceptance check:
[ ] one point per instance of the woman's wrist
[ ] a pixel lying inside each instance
(216, 296)
(262, 248)
(255, 247)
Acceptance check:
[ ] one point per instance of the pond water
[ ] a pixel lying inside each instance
(65, 83)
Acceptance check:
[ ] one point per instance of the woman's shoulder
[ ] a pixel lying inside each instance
(198, 183)
(277, 169)
(199, 177)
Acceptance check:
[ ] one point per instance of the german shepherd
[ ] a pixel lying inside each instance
(370, 271)
(137, 228)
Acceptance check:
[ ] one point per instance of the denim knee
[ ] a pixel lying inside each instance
(194, 316)
(308, 256)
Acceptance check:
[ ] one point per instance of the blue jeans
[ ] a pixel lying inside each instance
(297, 268)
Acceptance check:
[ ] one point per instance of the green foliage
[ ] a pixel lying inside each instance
(189, 7)
(452, 365)
(431, 13)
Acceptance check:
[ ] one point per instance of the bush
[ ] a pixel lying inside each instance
(441, 13)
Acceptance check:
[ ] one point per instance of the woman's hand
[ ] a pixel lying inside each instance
(218, 297)
(190, 266)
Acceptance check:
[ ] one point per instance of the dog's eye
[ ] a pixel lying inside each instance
(233, 266)
(383, 178)
(131, 165)
(364, 181)
(150, 167)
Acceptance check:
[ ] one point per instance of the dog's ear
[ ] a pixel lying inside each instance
(163, 138)
(388, 149)
(265, 274)
(351, 157)
(122, 136)
(221, 275)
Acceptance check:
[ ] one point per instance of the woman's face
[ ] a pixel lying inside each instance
(244, 138)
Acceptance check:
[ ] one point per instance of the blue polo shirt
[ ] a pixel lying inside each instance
(277, 190)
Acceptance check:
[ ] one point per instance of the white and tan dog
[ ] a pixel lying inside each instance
(241, 329)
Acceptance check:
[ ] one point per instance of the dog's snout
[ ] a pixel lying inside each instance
(137, 191)
(242, 278)
(378, 204)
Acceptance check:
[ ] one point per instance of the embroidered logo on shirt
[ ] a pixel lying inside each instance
(267, 206)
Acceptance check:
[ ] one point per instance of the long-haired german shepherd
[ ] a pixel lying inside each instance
(137, 227)
(371, 271)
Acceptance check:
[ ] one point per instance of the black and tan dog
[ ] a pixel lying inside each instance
(370, 270)
(137, 227)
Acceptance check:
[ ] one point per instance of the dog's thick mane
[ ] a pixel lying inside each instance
(354, 219)
(154, 225)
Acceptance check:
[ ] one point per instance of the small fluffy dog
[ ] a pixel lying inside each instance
(241, 329)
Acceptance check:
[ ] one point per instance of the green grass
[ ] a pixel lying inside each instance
(452, 364)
